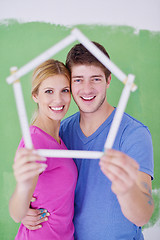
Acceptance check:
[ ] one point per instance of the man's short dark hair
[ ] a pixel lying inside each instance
(80, 55)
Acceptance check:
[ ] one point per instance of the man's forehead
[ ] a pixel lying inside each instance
(85, 69)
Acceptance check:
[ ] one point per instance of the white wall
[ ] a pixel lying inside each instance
(140, 14)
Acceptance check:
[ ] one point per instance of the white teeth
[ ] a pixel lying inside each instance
(87, 98)
(56, 108)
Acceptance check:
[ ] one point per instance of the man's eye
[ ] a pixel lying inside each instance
(77, 80)
(49, 91)
(97, 79)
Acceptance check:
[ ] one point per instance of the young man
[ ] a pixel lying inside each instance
(113, 196)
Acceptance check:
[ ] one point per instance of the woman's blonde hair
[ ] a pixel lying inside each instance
(46, 69)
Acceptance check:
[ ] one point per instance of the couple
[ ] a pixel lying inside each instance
(108, 198)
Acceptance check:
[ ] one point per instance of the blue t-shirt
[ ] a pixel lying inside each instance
(98, 215)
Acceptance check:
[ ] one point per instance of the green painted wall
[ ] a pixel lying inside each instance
(133, 53)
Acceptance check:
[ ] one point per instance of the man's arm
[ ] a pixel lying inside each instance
(132, 187)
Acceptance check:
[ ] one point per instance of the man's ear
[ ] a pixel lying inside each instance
(35, 98)
(108, 81)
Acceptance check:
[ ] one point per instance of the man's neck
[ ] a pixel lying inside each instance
(90, 122)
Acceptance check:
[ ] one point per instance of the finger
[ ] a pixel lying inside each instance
(22, 151)
(125, 174)
(29, 173)
(119, 184)
(108, 168)
(123, 161)
(34, 220)
(24, 154)
(33, 227)
(43, 216)
(29, 167)
(108, 174)
(26, 159)
(35, 212)
(119, 158)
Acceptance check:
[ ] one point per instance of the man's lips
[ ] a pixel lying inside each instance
(88, 98)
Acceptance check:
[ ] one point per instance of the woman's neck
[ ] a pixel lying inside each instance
(49, 126)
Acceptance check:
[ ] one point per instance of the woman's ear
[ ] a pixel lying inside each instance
(35, 97)
(108, 81)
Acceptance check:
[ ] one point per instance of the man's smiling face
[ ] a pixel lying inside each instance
(89, 85)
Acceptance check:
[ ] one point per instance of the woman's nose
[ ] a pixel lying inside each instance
(57, 97)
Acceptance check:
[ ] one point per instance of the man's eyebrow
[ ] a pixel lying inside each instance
(77, 76)
(96, 76)
(81, 76)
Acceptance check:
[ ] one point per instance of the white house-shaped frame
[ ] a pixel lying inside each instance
(129, 86)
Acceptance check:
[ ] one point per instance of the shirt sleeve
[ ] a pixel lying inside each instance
(137, 143)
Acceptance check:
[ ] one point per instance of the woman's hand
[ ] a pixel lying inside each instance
(28, 164)
(27, 167)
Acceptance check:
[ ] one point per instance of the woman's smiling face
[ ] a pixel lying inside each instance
(53, 97)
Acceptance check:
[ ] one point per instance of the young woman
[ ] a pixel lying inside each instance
(51, 181)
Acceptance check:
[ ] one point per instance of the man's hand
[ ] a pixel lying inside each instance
(132, 187)
(120, 169)
(34, 218)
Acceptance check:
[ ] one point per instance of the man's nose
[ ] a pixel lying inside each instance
(87, 86)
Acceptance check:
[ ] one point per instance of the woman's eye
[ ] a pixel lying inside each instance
(66, 90)
(49, 91)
